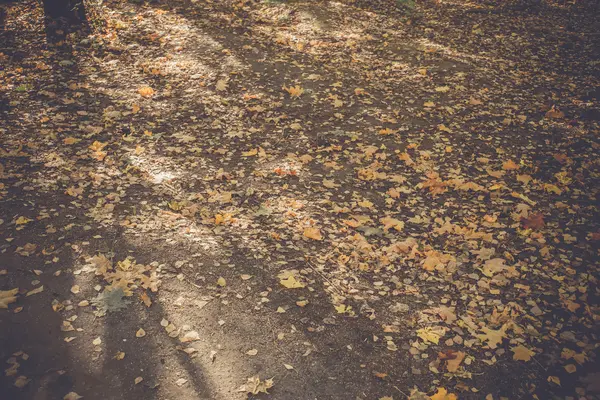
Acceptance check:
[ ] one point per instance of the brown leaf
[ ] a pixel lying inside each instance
(534, 221)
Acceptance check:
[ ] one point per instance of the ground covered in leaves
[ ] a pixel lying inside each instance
(314, 199)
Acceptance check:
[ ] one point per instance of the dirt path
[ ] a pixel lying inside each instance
(356, 203)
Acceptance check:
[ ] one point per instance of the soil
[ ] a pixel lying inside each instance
(426, 173)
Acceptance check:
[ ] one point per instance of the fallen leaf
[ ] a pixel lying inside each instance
(554, 379)
(7, 297)
(146, 91)
(72, 396)
(312, 233)
(509, 165)
(291, 283)
(522, 353)
(140, 333)
(35, 291)
(137, 380)
(533, 221)
(221, 281)
(442, 394)
(252, 352)
(570, 368)
(256, 386)
(190, 336)
(21, 381)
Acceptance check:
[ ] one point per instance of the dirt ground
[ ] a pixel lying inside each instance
(315, 199)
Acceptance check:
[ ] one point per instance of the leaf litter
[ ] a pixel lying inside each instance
(385, 178)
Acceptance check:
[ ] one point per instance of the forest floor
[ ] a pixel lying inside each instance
(314, 199)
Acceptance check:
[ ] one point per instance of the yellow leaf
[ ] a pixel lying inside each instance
(570, 368)
(509, 165)
(302, 303)
(250, 153)
(294, 91)
(431, 334)
(313, 233)
(146, 91)
(493, 337)
(444, 128)
(522, 353)
(120, 355)
(221, 85)
(97, 146)
(442, 89)
(138, 380)
(140, 333)
(7, 297)
(429, 104)
(22, 220)
(552, 188)
(442, 394)
(221, 282)
(389, 223)
(524, 179)
(292, 283)
(554, 379)
(386, 131)
(70, 140)
(35, 291)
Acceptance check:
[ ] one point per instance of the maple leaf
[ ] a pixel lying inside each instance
(110, 301)
(510, 165)
(291, 283)
(493, 337)
(534, 221)
(442, 394)
(522, 353)
(7, 297)
(294, 91)
(389, 223)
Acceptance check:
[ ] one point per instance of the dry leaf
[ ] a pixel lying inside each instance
(252, 352)
(190, 336)
(442, 394)
(453, 363)
(35, 291)
(221, 281)
(256, 386)
(294, 91)
(72, 396)
(312, 233)
(292, 283)
(509, 165)
(146, 91)
(140, 333)
(522, 353)
(7, 297)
